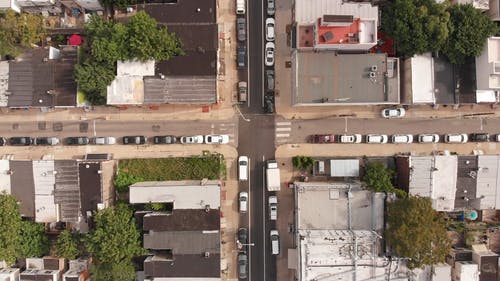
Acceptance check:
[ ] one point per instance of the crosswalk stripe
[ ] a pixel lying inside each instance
(283, 123)
(283, 129)
(282, 135)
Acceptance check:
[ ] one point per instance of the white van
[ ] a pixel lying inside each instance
(243, 168)
(275, 242)
(240, 7)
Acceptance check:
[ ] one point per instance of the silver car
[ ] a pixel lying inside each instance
(241, 24)
(103, 140)
(242, 265)
(192, 139)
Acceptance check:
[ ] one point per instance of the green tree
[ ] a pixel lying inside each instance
(147, 40)
(304, 163)
(111, 272)
(18, 31)
(10, 224)
(34, 242)
(67, 245)
(378, 177)
(470, 32)
(417, 231)
(107, 40)
(417, 26)
(93, 79)
(115, 238)
(118, 3)
(123, 180)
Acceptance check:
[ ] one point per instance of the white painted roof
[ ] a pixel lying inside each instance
(184, 194)
(135, 68)
(44, 180)
(5, 176)
(444, 182)
(487, 187)
(467, 271)
(126, 90)
(422, 78)
(307, 11)
(4, 78)
(344, 168)
(420, 176)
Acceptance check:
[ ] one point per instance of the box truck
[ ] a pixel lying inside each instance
(272, 176)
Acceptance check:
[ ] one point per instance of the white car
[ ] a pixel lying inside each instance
(243, 199)
(103, 140)
(456, 138)
(270, 29)
(497, 137)
(192, 139)
(269, 54)
(243, 168)
(216, 139)
(402, 138)
(428, 138)
(393, 112)
(273, 208)
(356, 138)
(376, 138)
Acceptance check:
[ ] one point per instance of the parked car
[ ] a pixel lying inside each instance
(270, 29)
(428, 138)
(192, 139)
(355, 138)
(242, 265)
(456, 138)
(241, 24)
(242, 91)
(242, 56)
(103, 140)
(275, 242)
(269, 104)
(243, 168)
(164, 139)
(372, 138)
(480, 137)
(3, 141)
(497, 137)
(402, 138)
(273, 207)
(216, 139)
(134, 140)
(243, 235)
(77, 141)
(322, 138)
(270, 7)
(270, 80)
(269, 54)
(20, 141)
(243, 199)
(393, 112)
(46, 141)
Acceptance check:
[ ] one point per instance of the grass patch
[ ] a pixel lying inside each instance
(210, 166)
(81, 97)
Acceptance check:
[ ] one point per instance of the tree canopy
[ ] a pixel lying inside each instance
(417, 231)
(10, 224)
(379, 179)
(18, 31)
(303, 162)
(34, 242)
(471, 30)
(93, 79)
(67, 245)
(113, 243)
(417, 26)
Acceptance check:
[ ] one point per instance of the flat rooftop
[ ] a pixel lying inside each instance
(327, 78)
(325, 206)
(307, 11)
(182, 220)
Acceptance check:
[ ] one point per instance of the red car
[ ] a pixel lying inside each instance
(322, 138)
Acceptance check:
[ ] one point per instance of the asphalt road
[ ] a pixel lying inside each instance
(299, 130)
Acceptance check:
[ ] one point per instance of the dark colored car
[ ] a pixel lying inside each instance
(77, 141)
(134, 140)
(270, 80)
(480, 137)
(243, 235)
(164, 139)
(242, 56)
(20, 141)
(242, 265)
(322, 138)
(46, 141)
(269, 104)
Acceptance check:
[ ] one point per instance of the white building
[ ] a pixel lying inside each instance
(128, 86)
(466, 271)
(488, 72)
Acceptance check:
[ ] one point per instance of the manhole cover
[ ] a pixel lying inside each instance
(42, 125)
(57, 127)
(15, 126)
(156, 128)
(84, 127)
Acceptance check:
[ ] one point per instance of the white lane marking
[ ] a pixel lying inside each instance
(283, 123)
(282, 135)
(264, 216)
(249, 223)
(283, 129)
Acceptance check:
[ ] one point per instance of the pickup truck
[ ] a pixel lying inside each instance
(273, 207)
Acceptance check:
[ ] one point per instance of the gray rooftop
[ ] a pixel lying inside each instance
(23, 186)
(184, 267)
(180, 90)
(67, 189)
(466, 181)
(183, 242)
(327, 78)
